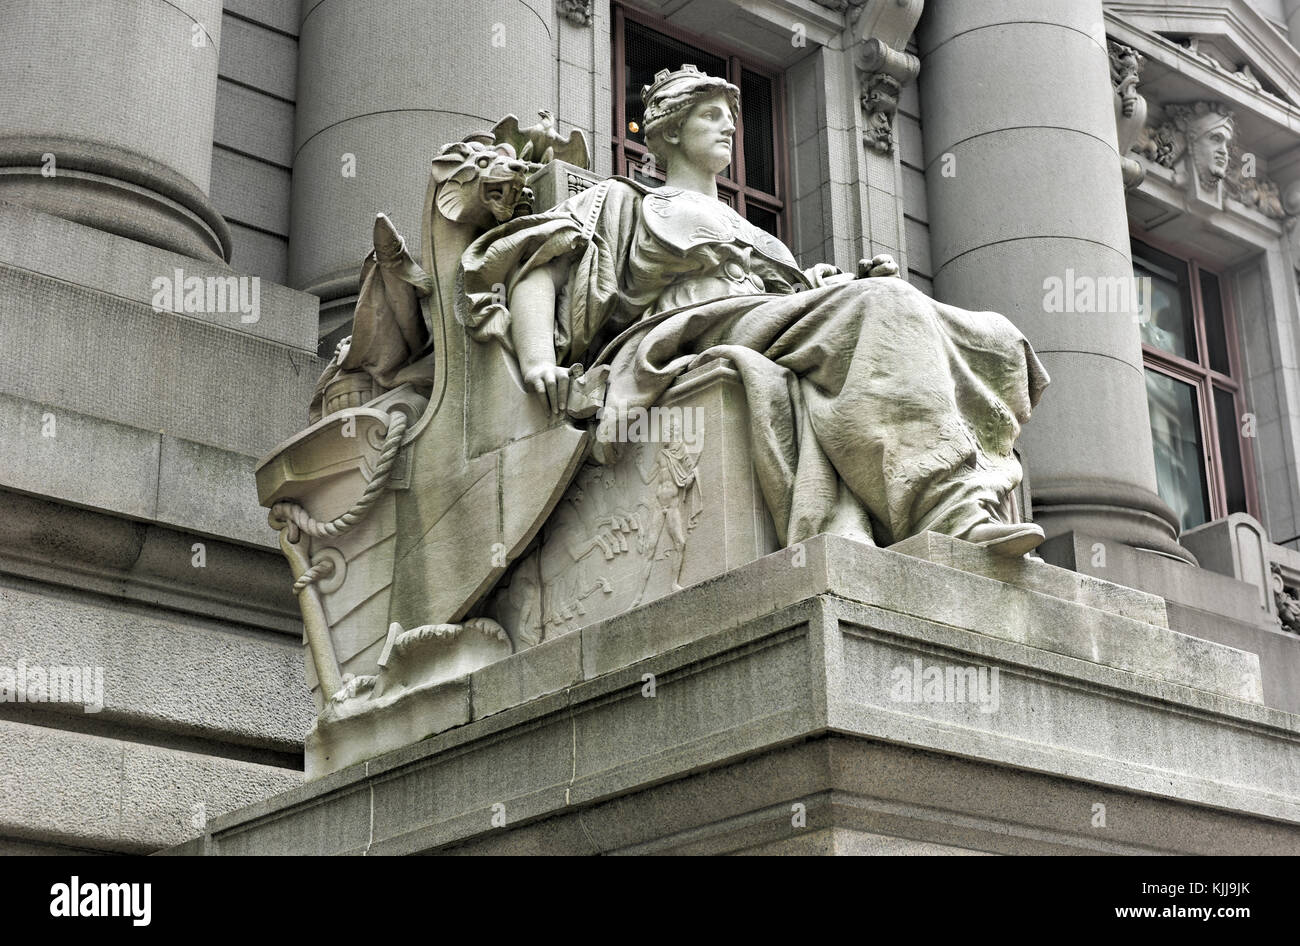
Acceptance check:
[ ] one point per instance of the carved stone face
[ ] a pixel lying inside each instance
(1210, 152)
(705, 137)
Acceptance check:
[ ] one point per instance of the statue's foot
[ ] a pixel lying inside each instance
(1010, 539)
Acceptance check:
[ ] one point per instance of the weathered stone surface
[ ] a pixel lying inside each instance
(335, 742)
(610, 545)
(893, 582)
(798, 704)
(162, 671)
(140, 473)
(1155, 574)
(88, 791)
(1037, 576)
(97, 552)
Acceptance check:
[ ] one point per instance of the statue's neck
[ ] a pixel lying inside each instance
(690, 178)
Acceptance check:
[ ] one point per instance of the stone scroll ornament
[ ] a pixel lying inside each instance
(486, 466)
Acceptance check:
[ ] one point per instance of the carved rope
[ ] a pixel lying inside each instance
(296, 519)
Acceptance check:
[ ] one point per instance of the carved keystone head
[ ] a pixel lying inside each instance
(1207, 128)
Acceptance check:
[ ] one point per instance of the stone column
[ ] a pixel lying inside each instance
(1291, 10)
(106, 113)
(382, 86)
(1024, 186)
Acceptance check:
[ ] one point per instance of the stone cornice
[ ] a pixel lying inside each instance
(1269, 51)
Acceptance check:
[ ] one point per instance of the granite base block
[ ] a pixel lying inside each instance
(821, 709)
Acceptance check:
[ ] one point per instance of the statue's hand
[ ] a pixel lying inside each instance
(880, 265)
(551, 384)
(824, 274)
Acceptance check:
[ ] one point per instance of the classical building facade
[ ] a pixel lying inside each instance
(187, 189)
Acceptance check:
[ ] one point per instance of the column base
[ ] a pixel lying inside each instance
(115, 191)
(1109, 510)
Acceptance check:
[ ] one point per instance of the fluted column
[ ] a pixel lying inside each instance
(106, 114)
(1024, 186)
(382, 86)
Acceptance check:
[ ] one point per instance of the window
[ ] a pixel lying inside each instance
(1194, 392)
(754, 184)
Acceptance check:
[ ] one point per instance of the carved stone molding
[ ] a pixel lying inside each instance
(1193, 140)
(1130, 107)
(578, 12)
(1287, 600)
(1197, 46)
(1196, 141)
(883, 67)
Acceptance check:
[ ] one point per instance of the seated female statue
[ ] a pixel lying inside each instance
(875, 411)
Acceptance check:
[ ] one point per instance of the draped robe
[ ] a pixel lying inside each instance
(874, 410)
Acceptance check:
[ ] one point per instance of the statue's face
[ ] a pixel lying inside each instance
(1210, 152)
(705, 138)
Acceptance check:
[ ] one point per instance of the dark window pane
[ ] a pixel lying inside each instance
(1180, 458)
(646, 51)
(1170, 326)
(638, 173)
(761, 217)
(1216, 333)
(756, 109)
(1229, 424)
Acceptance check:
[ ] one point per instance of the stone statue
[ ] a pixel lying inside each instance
(877, 412)
(485, 498)
(541, 143)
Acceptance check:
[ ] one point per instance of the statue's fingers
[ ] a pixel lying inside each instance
(562, 388)
(551, 394)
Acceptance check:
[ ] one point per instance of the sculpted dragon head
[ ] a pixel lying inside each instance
(479, 183)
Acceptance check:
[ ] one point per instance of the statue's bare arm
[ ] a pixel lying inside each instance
(532, 311)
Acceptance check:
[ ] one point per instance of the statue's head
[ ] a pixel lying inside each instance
(1208, 128)
(690, 116)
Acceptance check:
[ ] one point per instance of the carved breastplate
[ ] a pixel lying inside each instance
(682, 220)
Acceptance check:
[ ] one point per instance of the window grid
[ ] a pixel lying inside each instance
(1205, 380)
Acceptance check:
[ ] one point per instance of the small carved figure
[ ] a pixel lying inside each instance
(1125, 69)
(880, 102)
(1209, 129)
(675, 480)
(542, 143)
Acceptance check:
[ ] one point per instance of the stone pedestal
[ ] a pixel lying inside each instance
(852, 700)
